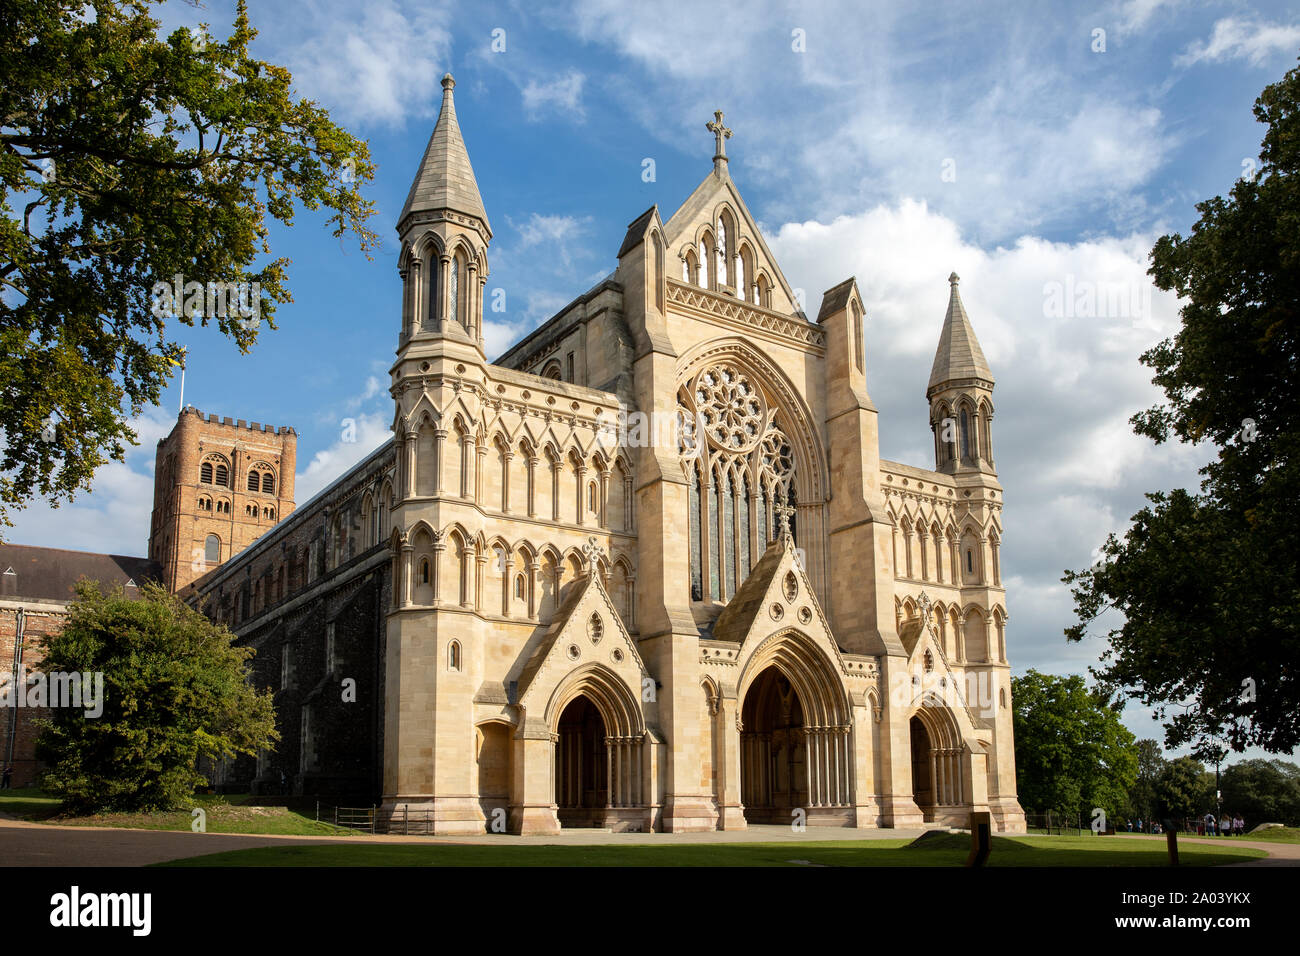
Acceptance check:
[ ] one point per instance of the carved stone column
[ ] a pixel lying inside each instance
(533, 568)
(506, 458)
(480, 456)
(439, 546)
(446, 308)
(411, 439)
(408, 550)
(507, 573)
(581, 473)
(533, 461)
(604, 498)
(439, 441)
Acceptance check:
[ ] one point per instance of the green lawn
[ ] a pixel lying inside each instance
(28, 803)
(234, 813)
(1274, 835)
(934, 850)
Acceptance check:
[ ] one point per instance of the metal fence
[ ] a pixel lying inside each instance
(1053, 823)
(405, 822)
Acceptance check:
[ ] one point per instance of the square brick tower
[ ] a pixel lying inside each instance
(218, 487)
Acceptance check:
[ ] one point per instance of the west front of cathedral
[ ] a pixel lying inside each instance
(646, 571)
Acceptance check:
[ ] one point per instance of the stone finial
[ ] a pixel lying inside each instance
(927, 608)
(593, 552)
(784, 513)
(954, 279)
(448, 82)
(720, 135)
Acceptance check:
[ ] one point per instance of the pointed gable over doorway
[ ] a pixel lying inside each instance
(776, 597)
(586, 634)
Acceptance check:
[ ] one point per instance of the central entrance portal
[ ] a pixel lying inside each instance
(581, 776)
(773, 752)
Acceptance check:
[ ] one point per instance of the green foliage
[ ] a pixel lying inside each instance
(125, 159)
(1263, 791)
(1207, 582)
(1072, 752)
(175, 690)
(1181, 790)
(1142, 795)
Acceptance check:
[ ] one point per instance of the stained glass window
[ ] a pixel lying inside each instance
(697, 555)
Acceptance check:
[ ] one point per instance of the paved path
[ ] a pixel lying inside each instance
(1279, 854)
(38, 844)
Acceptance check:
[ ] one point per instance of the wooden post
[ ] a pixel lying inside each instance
(1171, 840)
(981, 840)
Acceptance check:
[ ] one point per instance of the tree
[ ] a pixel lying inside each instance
(1072, 752)
(1150, 764)
(1263, 791)
(1207, 582)
(175, 690)
(125, 161)
(1181, 790)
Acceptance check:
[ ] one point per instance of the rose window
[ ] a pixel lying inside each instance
(778, 460)
(729, 407)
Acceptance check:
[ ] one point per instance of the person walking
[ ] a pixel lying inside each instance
(4, 777)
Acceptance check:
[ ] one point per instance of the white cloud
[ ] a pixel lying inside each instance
(559, 234)
(113, 517)
(1234, 39)
(1135, 14)
(1067, 382)
(370, 431)
(499, 336)
(561, 95)
(373, 63)
(868, 113)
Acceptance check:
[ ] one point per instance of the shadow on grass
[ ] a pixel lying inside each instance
(944, 850)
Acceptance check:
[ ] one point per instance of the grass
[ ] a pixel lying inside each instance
(28, 803)
(931, 850)
(1275, 835)
(233, 813)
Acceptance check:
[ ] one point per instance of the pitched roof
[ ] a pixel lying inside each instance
(836, 298)
(636, 231)
(50, 574)
(737, 618)
(959, 355)
(445, 179)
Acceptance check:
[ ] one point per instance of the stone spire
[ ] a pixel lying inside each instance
(959, 355)
(445, 179)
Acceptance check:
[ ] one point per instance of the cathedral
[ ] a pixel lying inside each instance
(646, 571)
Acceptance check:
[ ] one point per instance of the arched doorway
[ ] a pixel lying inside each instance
(773, 751)
(581, 775)
(922, 792)
(938, 765)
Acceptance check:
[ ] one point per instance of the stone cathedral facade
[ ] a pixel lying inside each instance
(647, 570)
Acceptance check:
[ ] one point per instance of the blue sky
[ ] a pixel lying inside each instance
(884, 141)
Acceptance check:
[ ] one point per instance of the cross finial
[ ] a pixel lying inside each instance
(783, 513)
(593, 553)
(720, 135)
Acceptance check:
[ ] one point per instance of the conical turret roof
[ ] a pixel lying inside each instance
(959, 355)
(445, 179)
